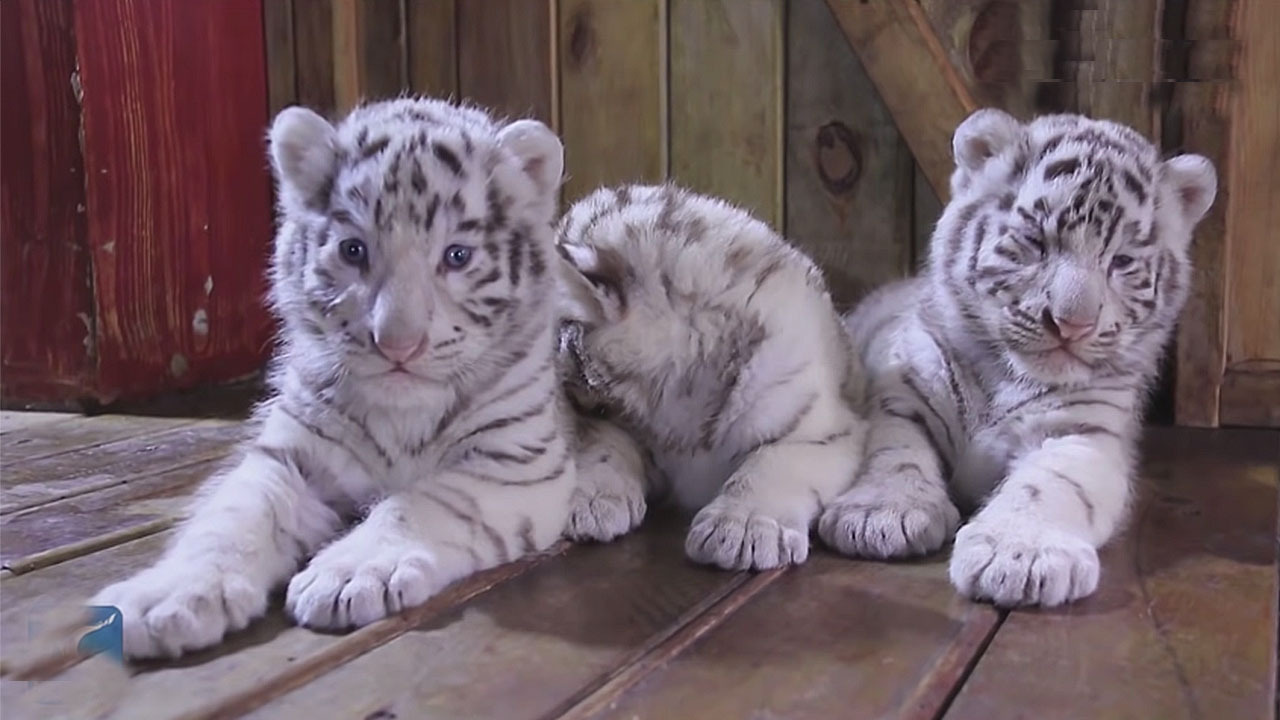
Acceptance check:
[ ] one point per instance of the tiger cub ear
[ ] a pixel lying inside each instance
(1193, 183)
(983, 135)
(539, 152)
(578, 298)
(304, 155)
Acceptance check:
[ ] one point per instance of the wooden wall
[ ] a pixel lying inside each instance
(830, 119)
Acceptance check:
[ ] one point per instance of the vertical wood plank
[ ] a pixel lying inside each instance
(848, 170)
(612, 77)
(506, 56)
(368, 51)
(313, 41)
(1199, 121)
(432, 47)
(727, 101)
(1119, 38)
(1253, 207)
(47, 326)
(282, 66)
(926, 208)
(179, 230)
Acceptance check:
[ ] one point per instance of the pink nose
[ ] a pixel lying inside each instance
(400, 350)
(1070, 331)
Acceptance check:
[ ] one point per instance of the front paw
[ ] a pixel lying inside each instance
(174, 608)
(737, 539)
(355, 581)
(602, 515)
(871, 525)
(1011, 567)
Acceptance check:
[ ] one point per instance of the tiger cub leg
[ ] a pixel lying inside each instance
(608, 500)
(898, 506)
(1035, 540)
(762, 516)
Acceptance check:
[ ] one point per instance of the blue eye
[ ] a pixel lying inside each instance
(1121, 262)
(456, 257)
(353, 251)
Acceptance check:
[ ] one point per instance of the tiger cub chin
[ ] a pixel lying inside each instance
(1011, 375)
(414, 386)
(705, 335)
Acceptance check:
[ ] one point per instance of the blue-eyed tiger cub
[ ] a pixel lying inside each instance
(414, 387)
(1011, 375)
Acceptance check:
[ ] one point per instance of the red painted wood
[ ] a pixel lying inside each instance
(178, 193)
(47, 304)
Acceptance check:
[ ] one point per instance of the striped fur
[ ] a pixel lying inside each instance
(702, 332)
(1011, 375)
(455, 455)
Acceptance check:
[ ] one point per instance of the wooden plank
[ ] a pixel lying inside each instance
(77, 433)
(506, 55)
(368, 51)
(1251, 395)
(833, 638)
(43, 481)
(47, 317)
(1156, 640)
(849, 173)
(431, 44)
(727, 102)
(903, 56)
(999, 48)
(1119, 39)
(612, 93)
(1199, 122)
(267, 659)
(17, 420)
(86, 523)
(282, 65)
(1253, 210)
(313, 42)
(926, 208)
(179, 231)
(537, 640)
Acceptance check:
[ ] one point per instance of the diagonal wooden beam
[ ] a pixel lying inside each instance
(906, 61)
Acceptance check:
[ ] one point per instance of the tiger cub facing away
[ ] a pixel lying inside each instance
(1012, 374)
(415, 384)
(714, 342)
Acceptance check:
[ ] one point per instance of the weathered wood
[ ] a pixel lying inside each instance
(282, 66)
(1253, 217)
(368, 51)
(1156, 639)
(313, 43)
(17, 420)
(727, 105)
(47, 317)
(999, 48)
(178, 230)
(902, 55)
(505, 57)
(849, 173)
(87, 523)
(926, 208)
(1251, 395)
(35, 483)
(537, 639)
(76, 433)
(834, 638)
(1199, 121)
(612, 93)
(432, 47)
(1119, 38)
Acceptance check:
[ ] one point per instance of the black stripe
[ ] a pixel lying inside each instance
(447, 156)
(1080, 493)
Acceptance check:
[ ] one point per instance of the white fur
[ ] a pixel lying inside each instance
(460, 462)
(974, 402)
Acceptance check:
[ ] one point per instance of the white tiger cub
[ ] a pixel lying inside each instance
(716, 343)
(1014, 371)
(415, 384)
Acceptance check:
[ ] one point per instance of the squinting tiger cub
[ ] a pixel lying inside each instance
(716, 343)
(1012, 374)
(415, 385)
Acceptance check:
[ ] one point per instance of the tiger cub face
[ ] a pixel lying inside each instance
(1066, 242)
(414, 244)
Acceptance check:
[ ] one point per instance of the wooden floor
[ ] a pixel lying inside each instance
(1183, 626)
